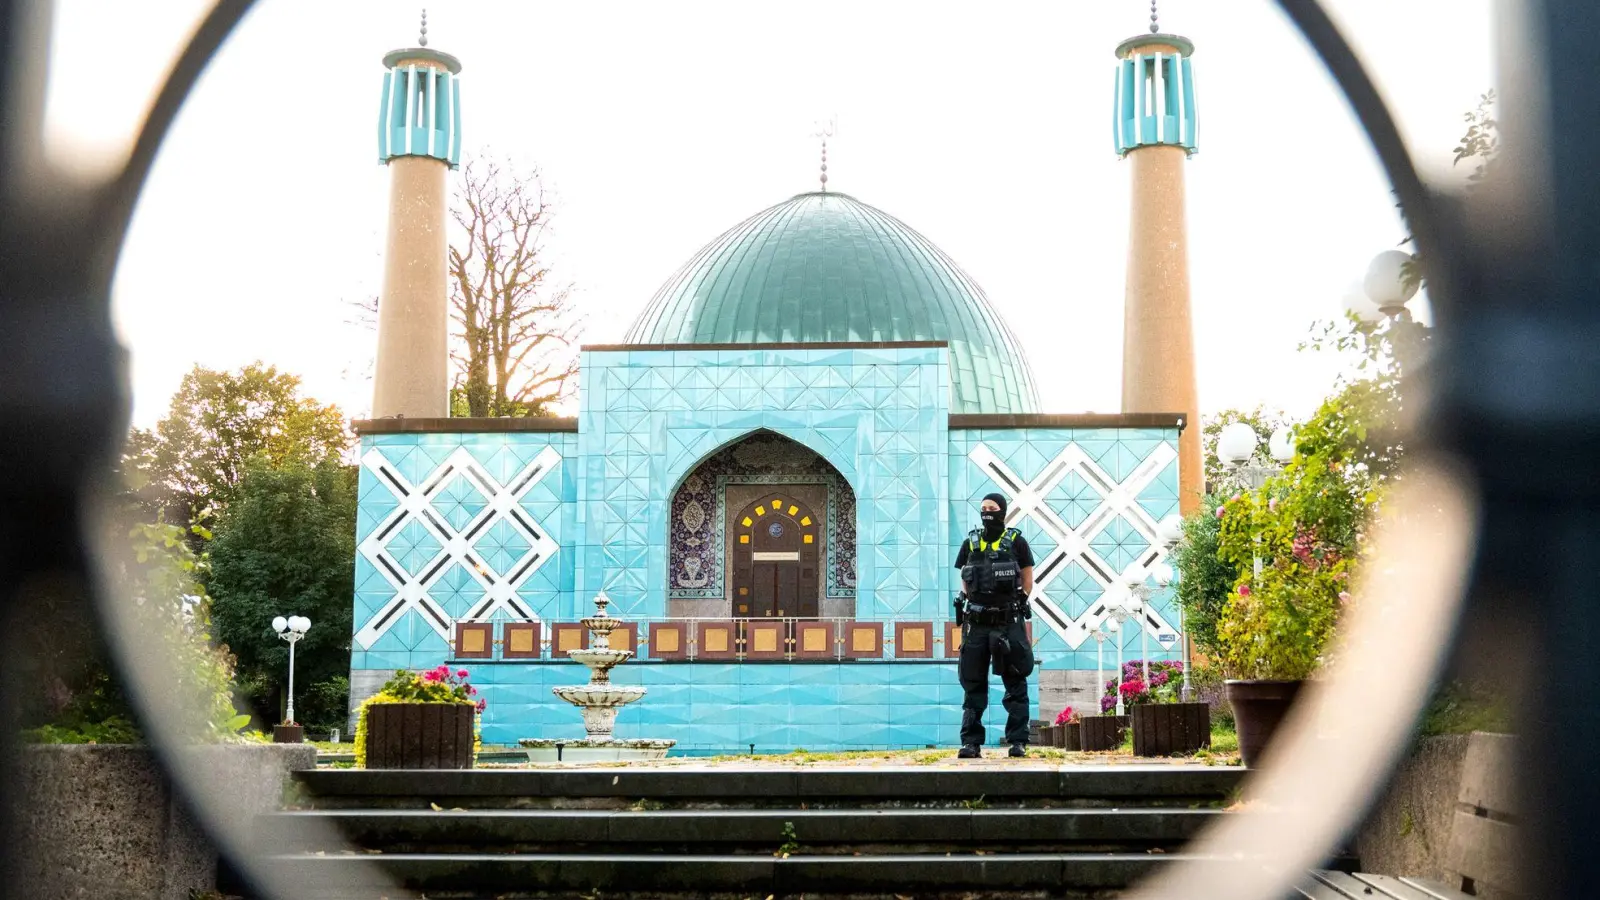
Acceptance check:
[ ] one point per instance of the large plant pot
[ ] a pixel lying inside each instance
(1164, 729)
(288, 734)
(1258, 710)
(1098, 733)
(419, 736)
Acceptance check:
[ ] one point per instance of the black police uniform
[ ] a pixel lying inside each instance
(993, 634)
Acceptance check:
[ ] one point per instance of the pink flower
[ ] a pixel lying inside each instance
(482, 704)
(1244, 590)
(430, 676)
(1221, 509)
(1272, 504)
(1132, 688)
(461, 673)
(1345, 598)
(471, 690)
(1065, 717)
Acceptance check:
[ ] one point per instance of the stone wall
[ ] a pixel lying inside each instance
(103, 821)
(1408, 831)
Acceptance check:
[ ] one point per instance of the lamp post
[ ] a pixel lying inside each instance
(1099, 636)
(1118, 614)
(1166, 577)
(1168, 532)
(1236, 447)
(292, 630)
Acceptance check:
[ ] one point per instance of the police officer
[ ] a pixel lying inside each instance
(997, 576)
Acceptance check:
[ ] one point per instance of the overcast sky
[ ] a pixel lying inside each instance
(659, 125)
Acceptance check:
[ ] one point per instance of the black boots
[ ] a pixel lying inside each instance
(969, 751)
(1018, 751)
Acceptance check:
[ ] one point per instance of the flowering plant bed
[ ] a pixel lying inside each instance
(1065, 733)
(1165, 686)
(420, 721)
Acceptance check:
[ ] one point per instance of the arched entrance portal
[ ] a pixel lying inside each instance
(775, 559)
(706, 562)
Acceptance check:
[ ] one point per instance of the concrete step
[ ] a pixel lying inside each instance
(748, 830)
(1119, 785)
(656, 875)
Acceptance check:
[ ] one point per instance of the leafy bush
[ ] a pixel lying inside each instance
(1205, 686)
(325, 705)
(114, 730)
(1204, 579)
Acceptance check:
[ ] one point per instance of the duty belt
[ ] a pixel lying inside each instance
(980, 614)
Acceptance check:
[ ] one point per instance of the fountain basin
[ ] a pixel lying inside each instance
(596, 658)
(599, 696)
(554, 750)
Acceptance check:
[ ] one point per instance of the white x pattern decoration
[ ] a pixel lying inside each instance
(502, 504)
(1073, 545)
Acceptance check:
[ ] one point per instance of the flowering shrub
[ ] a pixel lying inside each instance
(1067, 717)
(438, 685)
(1166, 683)
(1308, 528)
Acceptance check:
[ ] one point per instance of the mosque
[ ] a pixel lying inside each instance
(770, 476)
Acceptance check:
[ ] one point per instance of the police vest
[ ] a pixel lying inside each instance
(991, 567)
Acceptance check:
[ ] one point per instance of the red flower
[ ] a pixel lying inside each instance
(471, 690)
(482, 704)
(461, 673)
(1244, 590)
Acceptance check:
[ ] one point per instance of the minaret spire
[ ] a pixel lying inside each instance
(423, 40)
(1155, 18)
(824, 131)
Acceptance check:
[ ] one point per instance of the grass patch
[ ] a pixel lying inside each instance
(1461, 708)
(1224, 739)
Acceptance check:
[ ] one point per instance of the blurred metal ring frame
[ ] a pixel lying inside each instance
(1507, 490)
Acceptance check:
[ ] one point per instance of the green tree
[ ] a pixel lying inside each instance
(1204, 580)
(190, 466)
(286, 545)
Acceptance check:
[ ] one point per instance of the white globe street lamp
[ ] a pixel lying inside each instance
(1118, 614)
(292, 630)
(1281, 445)
(1386, 283)
(1356, 301)
(1236, 444)
(1100, 634)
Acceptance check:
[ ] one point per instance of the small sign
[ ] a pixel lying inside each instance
(1167, 638)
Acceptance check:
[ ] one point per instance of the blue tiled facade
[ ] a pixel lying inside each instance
(531, 525)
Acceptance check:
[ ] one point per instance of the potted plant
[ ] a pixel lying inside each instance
(420, 721)
(1162, 723)
(1305, 530)
(289, 732)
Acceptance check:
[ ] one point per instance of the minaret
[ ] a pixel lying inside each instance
(1154, 127)
(419, 139)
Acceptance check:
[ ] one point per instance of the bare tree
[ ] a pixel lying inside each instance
(516, 325)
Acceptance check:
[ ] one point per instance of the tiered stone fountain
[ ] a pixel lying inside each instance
(599, 701)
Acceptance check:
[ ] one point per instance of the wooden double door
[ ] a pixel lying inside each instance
(776, 552)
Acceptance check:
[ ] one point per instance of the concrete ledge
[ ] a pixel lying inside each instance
(104, 821)
(1408, 832)
(1099, 782)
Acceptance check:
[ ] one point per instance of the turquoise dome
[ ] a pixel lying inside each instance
(825, 267)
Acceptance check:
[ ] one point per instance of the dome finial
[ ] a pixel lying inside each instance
(423, 40)
(824, 131)
(1155, 18)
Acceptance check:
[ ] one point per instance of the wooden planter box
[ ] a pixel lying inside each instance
(1102, 732)
(1163, 729)
(1071, 737)
(288, 734)
(419, 736)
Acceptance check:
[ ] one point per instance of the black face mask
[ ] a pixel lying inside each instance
(994, 521)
